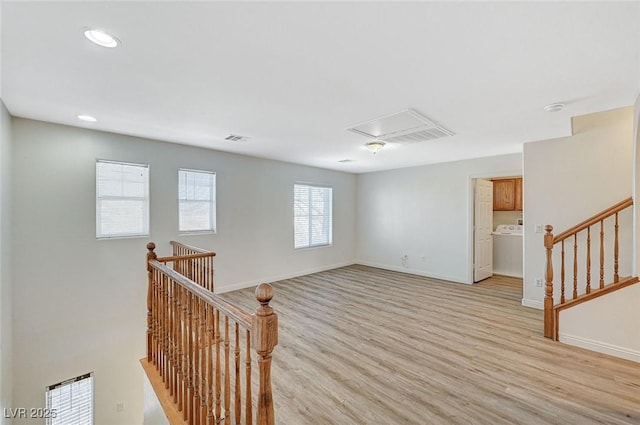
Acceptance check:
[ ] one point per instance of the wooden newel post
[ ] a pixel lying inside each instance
(549, 326)
(151, 255)
(264, 338)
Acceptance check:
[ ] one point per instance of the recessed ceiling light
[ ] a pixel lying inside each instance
(101, 38)
(554, 107)
(87, 118)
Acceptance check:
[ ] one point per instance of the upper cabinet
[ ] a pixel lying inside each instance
(507, 194)
(518, 194)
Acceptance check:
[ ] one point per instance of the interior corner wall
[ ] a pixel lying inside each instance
(636, 184)
(82, 301)
(423, 213)
(6, 334)
(567, 180)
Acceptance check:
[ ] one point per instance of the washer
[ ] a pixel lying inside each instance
(507, 250)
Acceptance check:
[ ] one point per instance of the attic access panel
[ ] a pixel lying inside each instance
(408, 126)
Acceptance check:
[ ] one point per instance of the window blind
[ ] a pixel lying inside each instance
(312, 208)
(196, 199)
(122, 199)
(71, 402)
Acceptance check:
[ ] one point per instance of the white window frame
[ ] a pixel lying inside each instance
(144, 230)
(54, 413)
(212, 202)
(328, 240)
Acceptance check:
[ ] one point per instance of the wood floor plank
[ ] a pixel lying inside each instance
(359, 345)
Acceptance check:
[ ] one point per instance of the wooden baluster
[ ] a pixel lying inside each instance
(588, 289)
(203, 361)
(212, 272)
(178, 338)
(616, 277)
(218, 377)
(196, 362)
(575, 266)
(264, 338)
(151, 255)
(210, 340)
(227, 375)
(562, 299)
(548, 293)
(172, 337)
(202, 414)
(247, 369)
(161, 326)
(165, 326)
(201, 273)
(238, 386)
(207, 262)
(185, 353)
(601, 283)
(188, 413)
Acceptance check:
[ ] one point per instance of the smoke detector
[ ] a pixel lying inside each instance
(408, 126)
(554, 107)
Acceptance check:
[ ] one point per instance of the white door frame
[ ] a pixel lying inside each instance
(470, 214)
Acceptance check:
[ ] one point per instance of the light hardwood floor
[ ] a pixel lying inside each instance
(360, 345)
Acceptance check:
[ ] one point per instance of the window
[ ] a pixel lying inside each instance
(70, 402)
(312, 215)
(122, 199)
(197, 201)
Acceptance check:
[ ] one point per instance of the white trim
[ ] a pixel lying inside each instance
(507, 274)
(600, 347)
(533, 304)
(455, 279)
(256, 282)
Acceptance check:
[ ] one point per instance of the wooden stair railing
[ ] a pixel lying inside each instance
(194, 263)
(199, 343)
(551, 310)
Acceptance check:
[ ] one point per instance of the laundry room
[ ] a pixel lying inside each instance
(507, 226)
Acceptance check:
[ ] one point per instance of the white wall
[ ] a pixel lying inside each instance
(80, 303)
(608, 324)
(568, 180)
(423, 212)
(6, 346)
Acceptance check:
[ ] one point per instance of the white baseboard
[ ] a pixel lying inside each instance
(456, 279)
(256, 282)
(601, 347)
(533, 304)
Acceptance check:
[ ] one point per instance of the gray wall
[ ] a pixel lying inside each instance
(426, 213)
(82, 301)
(6, 341)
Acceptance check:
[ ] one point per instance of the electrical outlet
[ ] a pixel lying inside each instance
(120, 407)
(538, 228)
(539, 283)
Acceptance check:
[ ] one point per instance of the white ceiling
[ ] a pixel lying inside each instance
(293, 76)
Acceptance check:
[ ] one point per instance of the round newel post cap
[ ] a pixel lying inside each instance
(548, 228)
(151, 246)
(264, 293)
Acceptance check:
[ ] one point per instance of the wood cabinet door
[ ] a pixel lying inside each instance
(504, 195)
(518, 201)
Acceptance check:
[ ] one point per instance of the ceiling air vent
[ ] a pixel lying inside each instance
(406, 126)
(236, 138)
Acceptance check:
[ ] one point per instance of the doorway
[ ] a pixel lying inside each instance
(495, 230)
